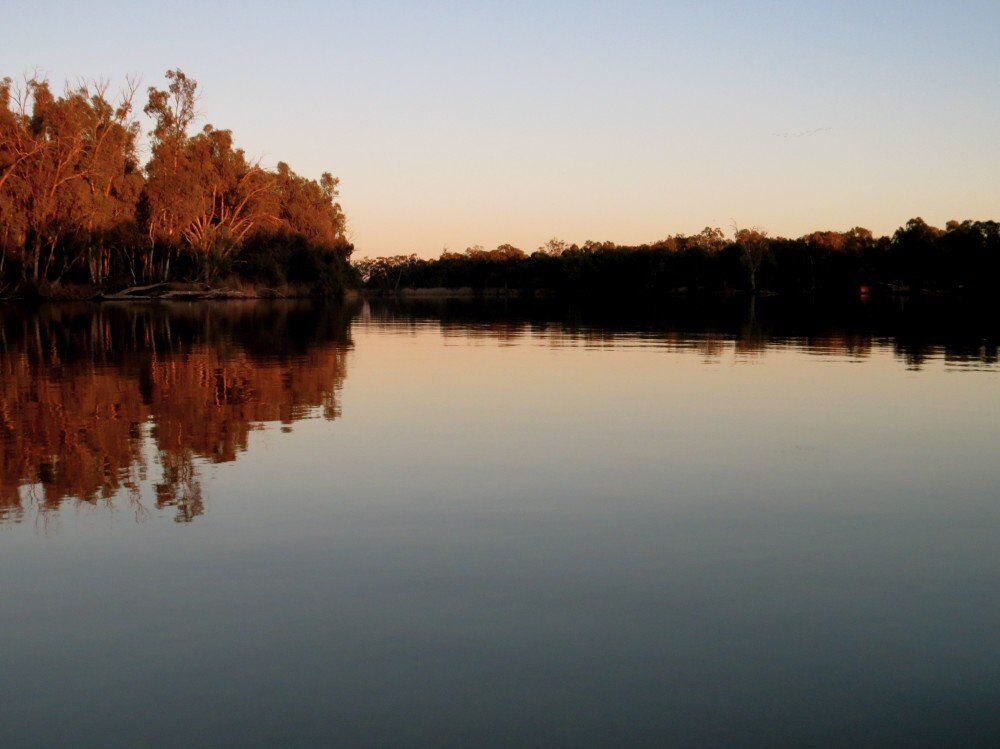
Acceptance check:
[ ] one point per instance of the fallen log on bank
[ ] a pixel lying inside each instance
(177, 292)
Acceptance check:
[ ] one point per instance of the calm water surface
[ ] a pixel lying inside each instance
(282, 524)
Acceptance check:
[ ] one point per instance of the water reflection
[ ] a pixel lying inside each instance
(526, 524)
(916, 332)
(92, 397)
(113, 405)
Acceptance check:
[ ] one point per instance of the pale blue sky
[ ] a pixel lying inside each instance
(453, 124)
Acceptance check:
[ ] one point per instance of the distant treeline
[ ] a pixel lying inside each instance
(77, 205)
(962, 257)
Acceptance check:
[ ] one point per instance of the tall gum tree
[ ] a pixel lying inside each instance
(67, 168)
(202, 195)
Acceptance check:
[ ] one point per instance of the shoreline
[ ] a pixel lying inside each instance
(167, 292)
(198, 292)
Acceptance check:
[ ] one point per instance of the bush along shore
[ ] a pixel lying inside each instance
(81, 216)
(962, 259)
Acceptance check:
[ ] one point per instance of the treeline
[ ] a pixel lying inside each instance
(962, 257)
(77, 205)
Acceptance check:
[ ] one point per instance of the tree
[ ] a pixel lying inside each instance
(170, 196)
(67, 171)
(386, 273)
(233, 198)
(75, 202)
(753, 245)
(710, 240)
(202, 194)
(309, 208)
(916, 255)
(554, 247)
(112, 183)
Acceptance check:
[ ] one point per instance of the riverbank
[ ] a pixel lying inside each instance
(237, 290)
(169, 291)
(860, 293)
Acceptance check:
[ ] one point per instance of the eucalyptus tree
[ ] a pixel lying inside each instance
(67, 171)
(202, 195)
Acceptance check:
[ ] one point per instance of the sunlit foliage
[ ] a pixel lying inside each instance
(77, 205)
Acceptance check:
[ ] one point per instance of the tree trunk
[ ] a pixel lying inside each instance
(36, 260)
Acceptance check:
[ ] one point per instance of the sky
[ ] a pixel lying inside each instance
(465, 123)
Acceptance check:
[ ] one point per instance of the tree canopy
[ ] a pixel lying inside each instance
(77, 204)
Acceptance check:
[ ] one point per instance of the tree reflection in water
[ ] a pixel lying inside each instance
(962, 334)
(97, 399)
(114, 404)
